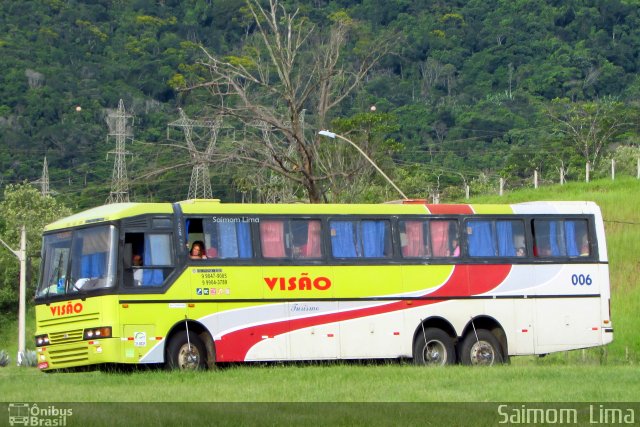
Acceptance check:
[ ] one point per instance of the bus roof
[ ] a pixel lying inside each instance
(117, 211)
(110, 212)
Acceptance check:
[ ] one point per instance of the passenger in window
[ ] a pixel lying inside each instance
(136, 262)
(197, 250)
(212, 252)
(455, 251)
(521, 251)
(584, 246)
(542, 251)
(299, 251)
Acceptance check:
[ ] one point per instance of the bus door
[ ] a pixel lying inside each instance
(151, 307)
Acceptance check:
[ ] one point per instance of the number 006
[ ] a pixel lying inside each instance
(581, 279)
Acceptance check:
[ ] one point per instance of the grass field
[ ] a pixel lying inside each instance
(607, 374)
(332, 382)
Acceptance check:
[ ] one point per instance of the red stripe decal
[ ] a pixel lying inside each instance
(450, 209)
(466, 280)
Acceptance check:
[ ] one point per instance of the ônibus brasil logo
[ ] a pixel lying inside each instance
(30, 414)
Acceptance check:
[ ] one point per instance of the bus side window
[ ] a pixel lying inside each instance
(134, 245)
(272, 238)
(561, 238)
(414, 239)
(305, 238)
(510, 238)
(444, 238)
(343, 239)
(376, 239)
(234, 240)
(152, 252)
(156, 259)
(496, 238)
(361, 239)
(577, 234)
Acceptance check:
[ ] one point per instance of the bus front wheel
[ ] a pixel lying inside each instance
(186, 352)
(480, 348)
(433, 347)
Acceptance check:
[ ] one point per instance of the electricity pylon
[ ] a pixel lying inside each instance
(200, 185)
(44, 179)
(118, 128)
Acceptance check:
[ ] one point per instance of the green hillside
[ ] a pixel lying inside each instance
(469, 92)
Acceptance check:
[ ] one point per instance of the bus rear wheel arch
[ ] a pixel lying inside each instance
(481, 348)
(433, 347)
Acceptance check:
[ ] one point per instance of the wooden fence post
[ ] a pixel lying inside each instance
(587, 172)
(613, 169)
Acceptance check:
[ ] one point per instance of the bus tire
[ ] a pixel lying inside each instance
(433, 347)
(483, 350)
(186, 354)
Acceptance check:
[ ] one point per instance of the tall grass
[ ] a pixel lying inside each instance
(330, 382)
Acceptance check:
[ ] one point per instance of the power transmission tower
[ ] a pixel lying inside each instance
(44, 179)
(200, 185)
(118, 128)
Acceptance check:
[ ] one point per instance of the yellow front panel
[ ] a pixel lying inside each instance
(65, 322)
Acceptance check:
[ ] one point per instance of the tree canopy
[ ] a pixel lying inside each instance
(23, 205)
(470, 85)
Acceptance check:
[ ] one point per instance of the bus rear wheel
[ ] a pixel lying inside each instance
(433, 347)
(480, 348)
(186, 352)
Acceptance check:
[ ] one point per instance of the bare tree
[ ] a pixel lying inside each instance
(287, 66)
(590, 126)
(430, 72)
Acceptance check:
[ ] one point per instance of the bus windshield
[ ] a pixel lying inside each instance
(78, 261)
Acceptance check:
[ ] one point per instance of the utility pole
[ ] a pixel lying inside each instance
(118, 128)
(21, 254)
(200, 185)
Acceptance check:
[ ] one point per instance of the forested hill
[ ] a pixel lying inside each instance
(468, 93)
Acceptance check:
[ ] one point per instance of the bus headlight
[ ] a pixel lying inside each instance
(95, 333)
(42, 340)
